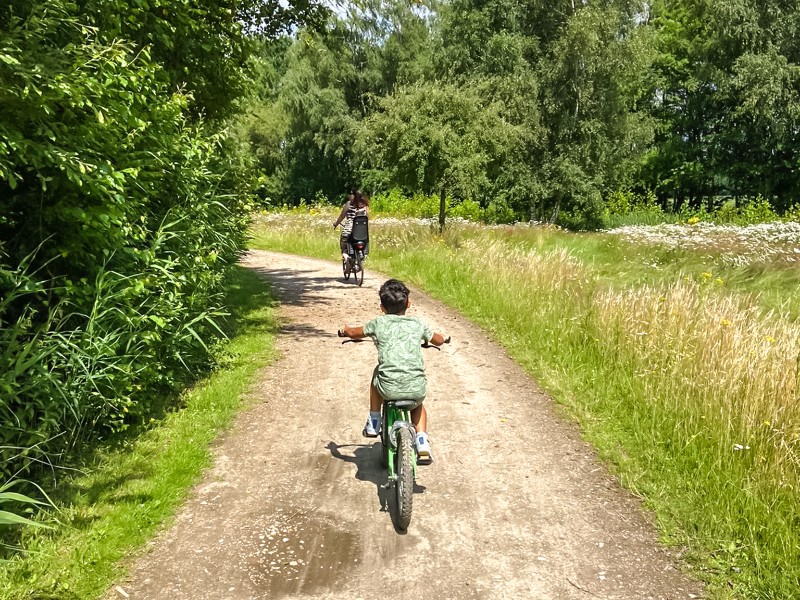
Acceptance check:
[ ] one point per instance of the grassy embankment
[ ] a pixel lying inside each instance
(682, 376)
(133, 485)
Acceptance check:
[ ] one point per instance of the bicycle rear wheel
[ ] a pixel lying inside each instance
(359, 271)
(404, 486)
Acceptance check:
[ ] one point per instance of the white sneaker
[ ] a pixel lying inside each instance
(371, 428)
(424, 454)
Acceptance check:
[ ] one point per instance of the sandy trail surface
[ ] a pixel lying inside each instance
(514, 506)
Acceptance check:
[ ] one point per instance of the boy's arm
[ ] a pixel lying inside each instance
(355, 333)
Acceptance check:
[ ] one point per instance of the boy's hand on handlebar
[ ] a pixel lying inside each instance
(354, 333)
(438, 339)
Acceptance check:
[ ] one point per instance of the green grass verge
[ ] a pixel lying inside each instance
(134, 486)
(735, 511)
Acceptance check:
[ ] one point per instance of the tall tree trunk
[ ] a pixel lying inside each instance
(442, 196)
(556, 210)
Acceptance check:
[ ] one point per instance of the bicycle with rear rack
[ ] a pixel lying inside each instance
(398, 451)
(357, 249)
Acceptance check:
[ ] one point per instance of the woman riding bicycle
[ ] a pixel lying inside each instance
(357, 204)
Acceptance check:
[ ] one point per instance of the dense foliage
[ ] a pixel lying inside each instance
(689, 102)
(123, 203)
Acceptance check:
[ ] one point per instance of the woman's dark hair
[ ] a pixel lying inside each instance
(360, 198)
(394, 297)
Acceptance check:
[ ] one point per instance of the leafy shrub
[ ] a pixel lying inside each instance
(498, 212)
(120, 217)
(467, 209)
(624, 207)
(758, 210)
(396, 203)
(793, 214)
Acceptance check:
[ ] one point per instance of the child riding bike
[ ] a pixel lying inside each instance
(400, 373)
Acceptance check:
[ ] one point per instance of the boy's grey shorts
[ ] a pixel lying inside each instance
(417, 401)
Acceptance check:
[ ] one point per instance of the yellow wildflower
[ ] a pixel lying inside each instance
(725, 323)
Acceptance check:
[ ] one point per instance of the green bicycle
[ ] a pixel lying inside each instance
(398, 452)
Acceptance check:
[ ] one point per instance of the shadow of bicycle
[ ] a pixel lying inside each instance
(367, 459)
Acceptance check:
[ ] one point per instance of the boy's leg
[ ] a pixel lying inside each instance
(419, 418)
(375, 399)
(373, 426)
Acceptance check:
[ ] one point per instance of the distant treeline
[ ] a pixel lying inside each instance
(542, 110)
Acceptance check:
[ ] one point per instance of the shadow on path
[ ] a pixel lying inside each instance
(366, 458)
(299, 288)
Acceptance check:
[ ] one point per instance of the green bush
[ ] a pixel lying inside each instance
(498, 212)
(793, 214)
(624, 207)
(119, 217)
(758, 210)
(467, 209)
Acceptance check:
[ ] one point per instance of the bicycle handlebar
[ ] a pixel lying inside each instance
(341, 333)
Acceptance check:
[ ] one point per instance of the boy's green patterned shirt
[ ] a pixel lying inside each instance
(400, 374)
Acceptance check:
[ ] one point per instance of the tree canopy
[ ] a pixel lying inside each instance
(688, 100)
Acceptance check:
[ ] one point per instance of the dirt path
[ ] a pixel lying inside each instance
(515, 506)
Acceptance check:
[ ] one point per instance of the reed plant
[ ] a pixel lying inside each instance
(688, 386)
(130, 485)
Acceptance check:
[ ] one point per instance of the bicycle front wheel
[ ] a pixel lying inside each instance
(404, 485)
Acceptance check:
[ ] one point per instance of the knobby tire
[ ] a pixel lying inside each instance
(359, 271)
(404, 485)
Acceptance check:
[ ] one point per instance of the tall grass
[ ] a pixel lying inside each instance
(133, 483)
(687, 386)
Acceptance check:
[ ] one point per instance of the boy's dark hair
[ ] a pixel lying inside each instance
(394, 297)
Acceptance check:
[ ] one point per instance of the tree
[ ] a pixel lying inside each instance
(331, 75)
(592, 78)
(437, 138)
(578, 71)
(121, 209)
(727, 91)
